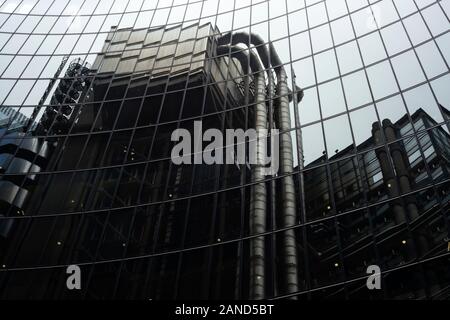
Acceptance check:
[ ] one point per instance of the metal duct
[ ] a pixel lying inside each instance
(401, 166)
(399, 159)
(270, 58)
(260, 45)
(258, 201)
(288, 190)
(388, 175)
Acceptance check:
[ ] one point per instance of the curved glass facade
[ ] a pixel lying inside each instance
(95, 96)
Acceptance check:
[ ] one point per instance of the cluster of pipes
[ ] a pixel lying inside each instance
(398, 182)
(396, 176)
(266, 53)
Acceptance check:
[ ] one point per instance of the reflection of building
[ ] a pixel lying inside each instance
(120, 116)
(409, 224)
(11, 119)
(106, 194)
(19, 154)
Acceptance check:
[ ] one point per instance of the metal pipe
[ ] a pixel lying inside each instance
(267, 58)
(388, 175)
(258, 200)
(399, 159)
(287, 186)
(401, 165)
(270, 58)
(287, 168)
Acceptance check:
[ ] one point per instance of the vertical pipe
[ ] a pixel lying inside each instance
(258, 198)
(388, 175)
(287, 186)
(401, 167)
(269, 57)
(289, 218)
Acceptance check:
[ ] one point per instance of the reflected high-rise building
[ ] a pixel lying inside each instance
(387, 215)
(357, 89)
(126, 197)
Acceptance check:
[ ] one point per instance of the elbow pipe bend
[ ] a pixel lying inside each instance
(268, 56)
(245, 59)
(248, 39)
